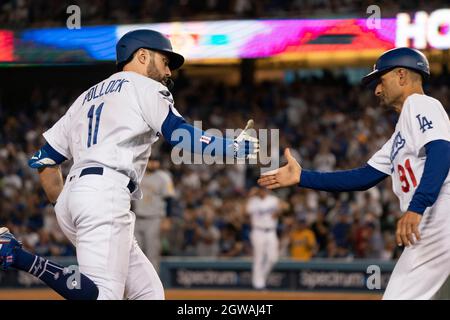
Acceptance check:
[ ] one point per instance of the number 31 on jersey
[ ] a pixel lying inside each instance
(404, 174)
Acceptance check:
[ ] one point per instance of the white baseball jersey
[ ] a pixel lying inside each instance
(422, 119)
(262, 210)
(113, 124)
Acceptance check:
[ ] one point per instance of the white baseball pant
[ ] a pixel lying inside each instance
(148, 237)
(94, 213)
(423, 268)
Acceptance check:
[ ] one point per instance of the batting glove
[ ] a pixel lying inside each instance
(246, 146)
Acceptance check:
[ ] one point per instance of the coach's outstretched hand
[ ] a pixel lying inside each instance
(284, 176)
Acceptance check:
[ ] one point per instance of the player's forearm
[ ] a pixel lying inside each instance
(52, 182)
(187, 137)
(346, 180)
(197, 141)
(434, 174)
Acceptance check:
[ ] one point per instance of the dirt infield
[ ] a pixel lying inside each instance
(47, 294)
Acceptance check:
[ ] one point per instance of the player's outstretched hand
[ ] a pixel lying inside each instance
(283, 177)
(246, 146)
(407, 232)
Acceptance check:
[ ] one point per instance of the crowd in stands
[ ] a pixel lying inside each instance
(328, 124)
(52, 13)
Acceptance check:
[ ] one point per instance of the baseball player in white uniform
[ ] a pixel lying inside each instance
(417, 157)
(264, 209)
(108, 132)
(158, 192)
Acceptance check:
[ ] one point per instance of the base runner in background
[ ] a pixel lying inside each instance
(157, 187)
(264, 209)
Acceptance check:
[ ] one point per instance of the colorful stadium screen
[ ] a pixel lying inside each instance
(234, 39)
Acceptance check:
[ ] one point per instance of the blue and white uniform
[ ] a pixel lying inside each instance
(108, 132)
(263, 213)
(423, 267)
(417, 157)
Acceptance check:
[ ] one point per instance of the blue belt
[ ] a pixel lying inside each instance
(99, 170)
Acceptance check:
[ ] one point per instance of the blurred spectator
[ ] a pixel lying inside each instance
(303, 241)
(324, 160)
(45, 13)
(172, 237)
(189, 230)
(321, 229)
(230, 242)
(207, 237)
(341, 231)
(368, 242)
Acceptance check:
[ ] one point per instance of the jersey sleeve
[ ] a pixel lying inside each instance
(427, 121)
(381, 160)
(155, 102)
(59, 134)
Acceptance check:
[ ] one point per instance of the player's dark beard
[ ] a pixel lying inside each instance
(152, 73)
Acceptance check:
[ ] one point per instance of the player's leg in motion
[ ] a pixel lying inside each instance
(153, 242)
(424, 267)
(143, 282)
(55, 276)
(258, 239)
(97, 209)
(139, 233)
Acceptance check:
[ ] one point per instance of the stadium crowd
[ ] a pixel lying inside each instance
(53, 13)
(328, 123)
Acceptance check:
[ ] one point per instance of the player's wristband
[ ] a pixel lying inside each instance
(187, 137)
(46, 157)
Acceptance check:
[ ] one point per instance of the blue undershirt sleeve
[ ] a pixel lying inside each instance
(345, 180)
(187, 137)
(434, 174)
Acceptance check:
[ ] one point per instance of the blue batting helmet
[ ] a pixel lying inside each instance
(148, 39)
(399, 57)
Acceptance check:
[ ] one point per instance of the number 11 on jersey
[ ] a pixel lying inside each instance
(90, 116)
